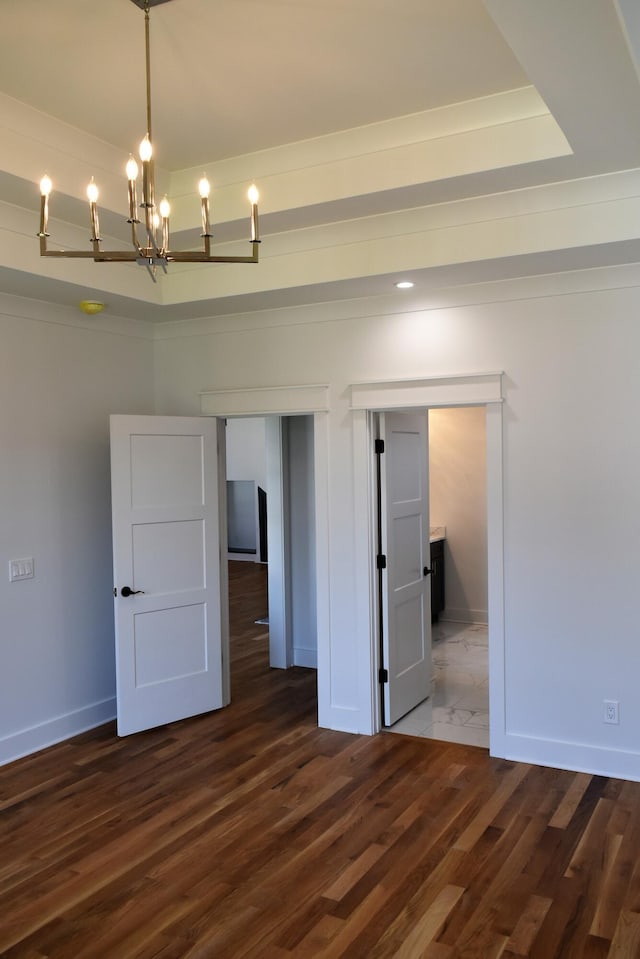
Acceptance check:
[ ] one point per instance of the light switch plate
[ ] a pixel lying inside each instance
(20, 569)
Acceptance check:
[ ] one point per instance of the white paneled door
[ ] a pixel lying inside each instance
(406, 589)
(170, 582)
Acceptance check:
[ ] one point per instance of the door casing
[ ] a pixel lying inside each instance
(368, 399)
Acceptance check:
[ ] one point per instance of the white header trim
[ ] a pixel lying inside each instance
(267, 400)
(474, 389)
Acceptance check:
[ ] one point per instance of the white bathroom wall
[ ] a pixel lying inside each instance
(458, 501)
(60, 378)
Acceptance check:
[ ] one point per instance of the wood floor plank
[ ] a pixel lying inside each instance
(570, 801)
(249, 833)
(355, 871)
(424, 920)
(496, 898)
(527, 926)
(613, 887)
(626, 941)
(489, 809)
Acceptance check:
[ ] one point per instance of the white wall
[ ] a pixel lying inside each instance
(246, 456)
(59, 381)
(458, 500)
(571, 476)
(246, 461)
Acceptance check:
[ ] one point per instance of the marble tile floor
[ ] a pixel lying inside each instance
(458, 708)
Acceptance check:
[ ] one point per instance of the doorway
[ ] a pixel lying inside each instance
(273, 456)
(471, 389)
(457, 706)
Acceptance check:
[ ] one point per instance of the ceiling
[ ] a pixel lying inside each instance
(230, 77)
(351, 116)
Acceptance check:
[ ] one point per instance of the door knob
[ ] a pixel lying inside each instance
(426, 571)
(126, 591)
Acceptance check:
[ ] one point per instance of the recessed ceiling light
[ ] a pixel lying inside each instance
(404, 284)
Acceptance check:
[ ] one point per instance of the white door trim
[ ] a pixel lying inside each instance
(468, 390)
(279, 579)
(262, 401)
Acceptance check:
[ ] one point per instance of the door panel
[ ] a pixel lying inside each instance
(158, 658)
(155, 546)
(167, 470)
(168, 505)
(406, 595)
(407, 551)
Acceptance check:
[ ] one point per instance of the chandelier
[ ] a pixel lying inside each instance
(154, 250)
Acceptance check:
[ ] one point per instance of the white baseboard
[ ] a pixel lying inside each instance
(28, 741)
(476, 617)
(305, 657)
(576, 757)
(341, 719)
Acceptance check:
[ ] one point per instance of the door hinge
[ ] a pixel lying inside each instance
(383, 676)
(381, 561)
(378, 446)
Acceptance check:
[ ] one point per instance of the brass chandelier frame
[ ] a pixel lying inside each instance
(154, 251)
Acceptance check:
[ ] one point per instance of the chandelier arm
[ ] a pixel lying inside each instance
(101, 256)
(153, 247)
(134, 236)
(148, 222)
(193, 256)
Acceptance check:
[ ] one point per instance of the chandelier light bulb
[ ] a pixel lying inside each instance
(45, 185)
(146, 149)
(92, 191)
(165, 208)
(204, 188)
(132, 168)
(253, 194)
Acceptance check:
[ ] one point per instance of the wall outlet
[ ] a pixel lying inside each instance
(611, 711)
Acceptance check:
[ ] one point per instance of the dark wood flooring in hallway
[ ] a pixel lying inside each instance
(251, 833)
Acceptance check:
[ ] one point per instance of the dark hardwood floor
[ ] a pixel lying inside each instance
(252, 833)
